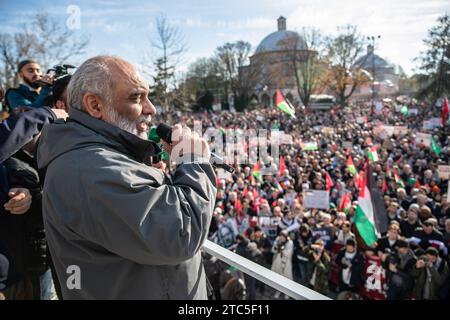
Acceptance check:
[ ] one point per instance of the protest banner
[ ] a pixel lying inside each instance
(400, 130)
(423, 138)
(316, 199)
(375, 275)
(444, 172)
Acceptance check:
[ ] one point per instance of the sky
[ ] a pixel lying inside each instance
(127, 28)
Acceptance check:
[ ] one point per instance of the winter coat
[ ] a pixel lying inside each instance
(131, 233)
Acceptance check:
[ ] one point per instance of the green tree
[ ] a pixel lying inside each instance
(435, 61)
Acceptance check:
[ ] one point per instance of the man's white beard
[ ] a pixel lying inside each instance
(123, 123)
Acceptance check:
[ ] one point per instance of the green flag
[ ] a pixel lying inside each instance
(436, 149)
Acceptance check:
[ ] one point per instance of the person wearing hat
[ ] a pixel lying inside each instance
(351, 263)
(398, 266)
(428, 236)
(30, 93)
(430, 273)
(319, 267)
(283, 249)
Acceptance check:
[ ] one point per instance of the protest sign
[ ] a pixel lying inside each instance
(444, 172)
(423, 138)
(317, 199)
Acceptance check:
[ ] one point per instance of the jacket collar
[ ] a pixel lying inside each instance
(126, 142)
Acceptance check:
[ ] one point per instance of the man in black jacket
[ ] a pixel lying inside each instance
(351, 262)
(250, 251)
(398, 268)
(411, 223)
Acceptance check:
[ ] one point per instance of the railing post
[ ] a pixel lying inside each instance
(272, 279)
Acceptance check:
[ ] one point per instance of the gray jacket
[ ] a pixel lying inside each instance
(132, 235)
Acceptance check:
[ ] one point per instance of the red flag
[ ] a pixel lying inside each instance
(329, 182)
(345, 202)
(255, 194)
(238, 206)
(218, 182)
(245, 192)
(282, 167)
(385, 187)
(388, 170)
(445, 112)
(417, 184)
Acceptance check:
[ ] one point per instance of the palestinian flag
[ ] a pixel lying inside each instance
(434, 147)
(256, 171)
(351, 166)
(398, 180)
(370, 216)
(445, 112)
(284, 105)
(373, 154)
(346, 202)
(309, 146)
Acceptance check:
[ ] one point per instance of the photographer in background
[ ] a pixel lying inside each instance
(430, 273)
(33, 89)
(398, 266)
(283, 248)
(319, 266)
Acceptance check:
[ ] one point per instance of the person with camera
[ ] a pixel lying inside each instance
(398, 265)
(319, 267)
(283, 249)
(130, 232)
(351, 263)
(34, 88)
(430, 273)
(22, 236)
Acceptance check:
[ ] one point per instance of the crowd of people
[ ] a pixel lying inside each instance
(260, 212)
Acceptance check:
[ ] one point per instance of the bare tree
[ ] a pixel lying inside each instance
(171, 46)
(232, 57)
(310, 69)
(42, 39)
(343, 51)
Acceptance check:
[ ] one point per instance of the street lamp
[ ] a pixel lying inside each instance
(373, 38)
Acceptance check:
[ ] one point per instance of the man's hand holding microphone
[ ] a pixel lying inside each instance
(183, 142)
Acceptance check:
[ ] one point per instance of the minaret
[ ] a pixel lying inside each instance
(281, 23)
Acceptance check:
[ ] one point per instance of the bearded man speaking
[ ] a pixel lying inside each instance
(117, 228)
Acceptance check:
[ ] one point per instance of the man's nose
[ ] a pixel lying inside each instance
(148, 107)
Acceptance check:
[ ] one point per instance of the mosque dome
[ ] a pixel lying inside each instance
(281, 40)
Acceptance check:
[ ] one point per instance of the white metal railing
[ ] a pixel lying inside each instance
(272, 279)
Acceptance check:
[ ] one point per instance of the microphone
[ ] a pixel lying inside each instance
(164, 131)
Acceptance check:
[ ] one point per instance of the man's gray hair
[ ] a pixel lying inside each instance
(95, 76)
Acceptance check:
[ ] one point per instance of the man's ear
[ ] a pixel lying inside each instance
(93, 105)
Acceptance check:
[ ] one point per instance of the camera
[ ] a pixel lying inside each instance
(57, 71)
(317, 251)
